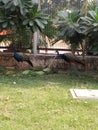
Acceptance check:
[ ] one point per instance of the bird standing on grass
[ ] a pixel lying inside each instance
(69, 58)
(20, 58)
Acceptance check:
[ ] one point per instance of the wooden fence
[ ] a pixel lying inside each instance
(40, 50)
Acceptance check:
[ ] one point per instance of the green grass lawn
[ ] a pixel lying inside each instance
(43, 102)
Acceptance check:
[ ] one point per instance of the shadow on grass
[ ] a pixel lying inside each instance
(65, 79)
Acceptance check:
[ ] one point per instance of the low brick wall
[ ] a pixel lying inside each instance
(43, 60)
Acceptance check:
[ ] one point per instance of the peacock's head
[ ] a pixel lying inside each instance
(16, 50)
(57, 52)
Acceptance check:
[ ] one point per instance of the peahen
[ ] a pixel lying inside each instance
(21, 58)
(69, 58)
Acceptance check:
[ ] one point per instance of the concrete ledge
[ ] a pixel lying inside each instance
(84, 93)
(43, 60)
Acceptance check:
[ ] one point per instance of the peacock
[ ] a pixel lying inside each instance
(21, 58)
(69, 58)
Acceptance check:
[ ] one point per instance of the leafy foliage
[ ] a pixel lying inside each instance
(50, 30)
(76, 26)
(35, 19)
(16, 14)
(89, 25)
(68, 28)
(20, 16)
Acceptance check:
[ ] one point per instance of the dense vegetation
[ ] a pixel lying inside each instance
(77, 23)
(23, 18)
(80, 27)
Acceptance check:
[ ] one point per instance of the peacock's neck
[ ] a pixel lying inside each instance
(57, 52)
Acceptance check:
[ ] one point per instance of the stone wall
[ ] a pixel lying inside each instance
(43, 60)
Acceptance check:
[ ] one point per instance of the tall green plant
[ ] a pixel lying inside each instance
(77, 27)
(68, 28)
(19, 15)
(89, 25)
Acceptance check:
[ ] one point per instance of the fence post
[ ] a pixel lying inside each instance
(35, 43)
(36, 34)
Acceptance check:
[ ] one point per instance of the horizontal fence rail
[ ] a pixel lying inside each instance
(53, 50)
(41, 50)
